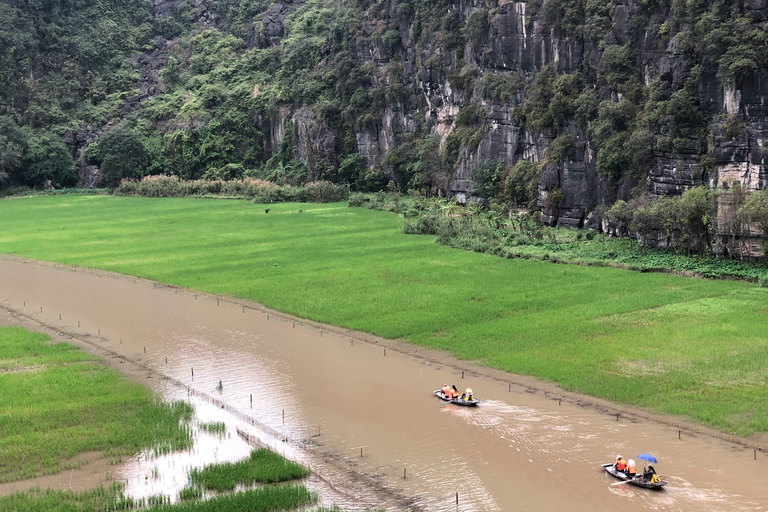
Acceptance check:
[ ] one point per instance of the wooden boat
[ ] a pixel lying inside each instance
(457, 401)
(637, 481)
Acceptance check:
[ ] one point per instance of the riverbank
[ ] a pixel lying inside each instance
(108, 482)
(665, 344)
(517, 434)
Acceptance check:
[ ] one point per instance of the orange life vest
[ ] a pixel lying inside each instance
(621, 465)
(632, 471)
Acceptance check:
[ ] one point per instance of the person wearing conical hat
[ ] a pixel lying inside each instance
(631, 470)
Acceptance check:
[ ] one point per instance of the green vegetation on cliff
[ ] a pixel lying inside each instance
(63, 65)
(690, 347)
(291, 92)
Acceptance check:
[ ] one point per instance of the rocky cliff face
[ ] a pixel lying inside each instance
(519, 42)
(642, 57)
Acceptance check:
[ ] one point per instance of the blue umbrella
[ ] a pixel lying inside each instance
(647, 458)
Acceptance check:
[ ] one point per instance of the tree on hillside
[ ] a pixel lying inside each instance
(755, 212)
(352, 170)
(13, 143)
(620, 215)
(667, 210)
(48, 158)
(121, 154)
(644, 220)
(521, 186)
(698, 212)
(486, 176)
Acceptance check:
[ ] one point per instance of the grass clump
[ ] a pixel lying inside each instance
(214, 427)
(262, 466)
(57, 402)
(190, 493)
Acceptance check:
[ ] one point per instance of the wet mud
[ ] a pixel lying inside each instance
(360, 413)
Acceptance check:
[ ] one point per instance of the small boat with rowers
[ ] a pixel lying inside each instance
(451, 395)
(646, 480)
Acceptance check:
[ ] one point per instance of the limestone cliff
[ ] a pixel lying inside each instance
(611, 98)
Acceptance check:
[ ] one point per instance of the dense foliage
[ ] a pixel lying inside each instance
(521, 234)
(262, 466)
(726, 220)
(63, 65)
(259, 191)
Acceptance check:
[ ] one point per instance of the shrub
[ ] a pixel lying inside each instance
(48, 158)
(487, 178)
(521, 185)
(121, 154)
(15, 191)
(469, 115)
(352, 170)
(325, 192)
(259, 191)
(762, 281)
(477, 26)
(452, 37)
(424, 225)
(357, 199)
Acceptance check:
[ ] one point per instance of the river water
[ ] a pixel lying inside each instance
(363, 417)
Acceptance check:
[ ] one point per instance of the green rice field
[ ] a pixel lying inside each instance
(671, 344)
(262, 466)
(57, 402)
(265, 499)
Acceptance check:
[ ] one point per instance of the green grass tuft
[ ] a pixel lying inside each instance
(190, 493)
(214, 427)
(262, 466)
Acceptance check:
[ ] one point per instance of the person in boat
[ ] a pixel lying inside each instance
(447, 391)
(455, 392)
(650, 475)
(621, 464)
(467, 396)
(631, 470)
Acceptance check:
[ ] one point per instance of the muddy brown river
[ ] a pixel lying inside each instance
(362, 416)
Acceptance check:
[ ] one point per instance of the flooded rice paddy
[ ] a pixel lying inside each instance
(362, 416)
